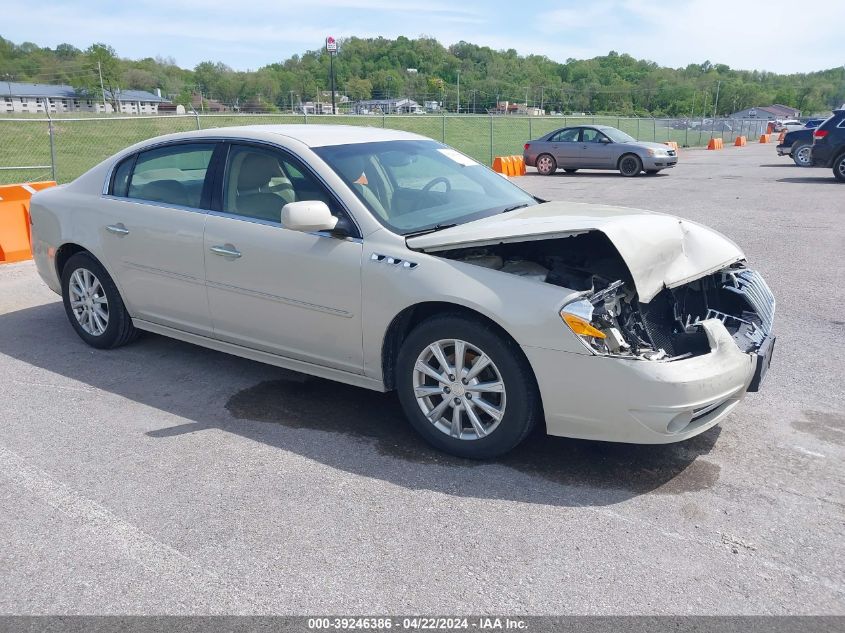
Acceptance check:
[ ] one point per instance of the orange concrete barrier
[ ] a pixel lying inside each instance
(518, 165)
(498, 165)
(781, 136)
(715, 143)
(764, 138)
(741, 141)
(14, 220)
(672, 145)
(507, 166)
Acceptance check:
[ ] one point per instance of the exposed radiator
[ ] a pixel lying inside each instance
(752, 286)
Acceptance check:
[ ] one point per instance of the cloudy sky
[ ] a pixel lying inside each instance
(772, 35)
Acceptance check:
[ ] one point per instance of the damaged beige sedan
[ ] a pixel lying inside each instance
(389, 261)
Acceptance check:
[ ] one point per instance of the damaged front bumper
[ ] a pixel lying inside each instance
(647, 402)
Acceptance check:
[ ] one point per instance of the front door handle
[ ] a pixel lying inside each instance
(117, 229)
(227, 250)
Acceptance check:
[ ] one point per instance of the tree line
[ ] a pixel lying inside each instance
(463, 76)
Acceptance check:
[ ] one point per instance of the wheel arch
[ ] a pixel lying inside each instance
(68, 250)
(413, 315)
(628, 153)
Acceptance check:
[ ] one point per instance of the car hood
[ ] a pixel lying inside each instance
(660, 250)
(647, 144)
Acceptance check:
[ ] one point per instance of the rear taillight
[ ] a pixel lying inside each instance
(820, 133)
(526, 146)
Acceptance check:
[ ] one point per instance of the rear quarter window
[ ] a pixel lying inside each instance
(174, 174)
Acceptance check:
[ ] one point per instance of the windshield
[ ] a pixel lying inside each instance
(618, 136)
(412, 186)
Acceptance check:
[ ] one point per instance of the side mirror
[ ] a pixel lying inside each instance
(308, 216)
(605, 140)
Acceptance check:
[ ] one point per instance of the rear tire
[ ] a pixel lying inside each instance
(93, 304)
(474, 415)
(630, 165)
(546, 164)
(839, 168)
(802, 155)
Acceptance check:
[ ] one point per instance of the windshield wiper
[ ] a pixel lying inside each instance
(515, 207)
(433, 229)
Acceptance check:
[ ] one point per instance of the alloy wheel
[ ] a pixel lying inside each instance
(88, 302)
(459, 389)
(545, 165)
(802, 156)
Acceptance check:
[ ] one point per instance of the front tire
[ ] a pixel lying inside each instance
(546, 164)
(93, 304)
(630, 165)
(839, 168)
(466, 388)
(802, 155)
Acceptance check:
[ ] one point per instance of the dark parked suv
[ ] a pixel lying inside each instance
(829, 145)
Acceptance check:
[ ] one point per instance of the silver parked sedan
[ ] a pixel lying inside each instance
(389, 261)
(596, 147)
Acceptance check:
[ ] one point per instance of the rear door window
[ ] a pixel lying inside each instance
(174, 174)
(566, 136)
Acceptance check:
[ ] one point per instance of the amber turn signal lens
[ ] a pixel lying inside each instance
(582, 327)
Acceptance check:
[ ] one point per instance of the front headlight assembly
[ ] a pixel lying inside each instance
(595, 318)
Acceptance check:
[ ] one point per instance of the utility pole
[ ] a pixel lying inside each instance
(459, 91)
(716, 102)
(102, 88)
(331, 48)
(542, 96)
(292, 110)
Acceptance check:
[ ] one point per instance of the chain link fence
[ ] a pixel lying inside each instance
(63, 148)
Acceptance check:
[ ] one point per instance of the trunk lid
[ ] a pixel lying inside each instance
(660, 250)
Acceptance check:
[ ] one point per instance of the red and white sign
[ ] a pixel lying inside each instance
(331, 44)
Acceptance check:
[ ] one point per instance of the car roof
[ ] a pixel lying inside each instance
(310, 134)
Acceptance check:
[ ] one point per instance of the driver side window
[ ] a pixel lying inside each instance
(590, 135)
(259, 181)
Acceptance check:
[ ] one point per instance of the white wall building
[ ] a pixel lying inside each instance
(26, 98)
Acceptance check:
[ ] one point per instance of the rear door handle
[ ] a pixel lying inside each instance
(117, 229)
(227, 250)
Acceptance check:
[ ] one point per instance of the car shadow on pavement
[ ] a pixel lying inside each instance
(348, 428)
(821, 179)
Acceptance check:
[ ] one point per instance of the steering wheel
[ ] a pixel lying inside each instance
(435, 181)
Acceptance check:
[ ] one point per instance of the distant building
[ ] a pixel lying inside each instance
(56, 99)
(387, 106)
(776, 111)
(314, 107)
(202, 104)
(505, 107)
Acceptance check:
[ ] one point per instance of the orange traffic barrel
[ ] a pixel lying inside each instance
(15, 243)
(741, 141)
